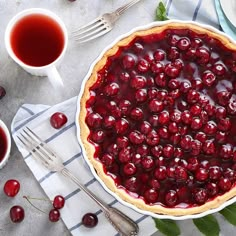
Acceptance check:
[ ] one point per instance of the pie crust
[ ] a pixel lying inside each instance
(90, 149)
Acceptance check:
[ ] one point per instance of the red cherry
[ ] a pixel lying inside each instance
(224, 184)
(181, 173)
(128, 61)
(151, 195)
(129, 169)
(125, 155)
(160, 173)
(98, 136)
(136, 137)
(201, 174)
(108, 160)
(152, 138)
(214, 172)
(157, 67)
(184, 44)
(171, 70)
(122, 126)
(147, 162)
(136, 113)
(208, 78)
(145, 127)
(161, 80)
(186, 117)
(173, 53)
(143, 66)
(138, 82)
(17, 214)
(200, 195)
(124, 77)
(112, 89)
(141, 95)
(2, 92)
(90, 220)
(218, 69)
(171, 198)
(58, 119)
(11, 187)
(203, 55)
(209, 147)
(93, 120)
(58, 202)
(54, 215)
(212, 189)
(132, 184)
(156, 105)
(159, 55)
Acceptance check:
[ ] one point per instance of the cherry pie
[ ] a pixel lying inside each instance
(158, 119)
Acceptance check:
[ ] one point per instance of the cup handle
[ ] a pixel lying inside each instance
(54, 77)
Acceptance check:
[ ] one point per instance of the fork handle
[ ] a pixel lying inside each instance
(122, 223)
(124, 8)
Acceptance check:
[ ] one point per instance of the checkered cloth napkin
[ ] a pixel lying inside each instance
(64, 141)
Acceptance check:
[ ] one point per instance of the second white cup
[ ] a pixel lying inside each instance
(36, 39)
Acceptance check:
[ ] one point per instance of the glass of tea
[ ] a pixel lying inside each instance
(36, 39)
(5, 144)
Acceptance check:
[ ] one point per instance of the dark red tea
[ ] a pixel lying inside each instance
(37, 40)
(3, 144)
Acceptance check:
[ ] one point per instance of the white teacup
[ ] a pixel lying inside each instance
(48, 69)
(7, 143)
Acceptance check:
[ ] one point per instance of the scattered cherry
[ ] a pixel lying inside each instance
(17, 214)
(54, 215)
(58, 202)
(90, 220)
(57, 120)
(2, 92)
(11, 187)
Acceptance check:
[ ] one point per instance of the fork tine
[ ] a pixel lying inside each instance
(39, 141)
(87, 29)
(92, 32)
(95, 36)
(98, 19)
(38, 147)
(35, 152)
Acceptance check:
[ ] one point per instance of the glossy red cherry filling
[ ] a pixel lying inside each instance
(161, 117)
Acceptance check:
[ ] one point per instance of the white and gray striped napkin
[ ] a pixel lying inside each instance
(64, 141)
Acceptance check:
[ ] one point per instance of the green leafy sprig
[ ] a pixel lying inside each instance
(161, 12)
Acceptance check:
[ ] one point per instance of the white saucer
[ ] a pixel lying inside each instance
(229, 8)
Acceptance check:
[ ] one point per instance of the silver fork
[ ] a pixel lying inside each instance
(100, 25)
(42, 152)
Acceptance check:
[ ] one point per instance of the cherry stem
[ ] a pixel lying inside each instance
(28, 200)
(38, 199)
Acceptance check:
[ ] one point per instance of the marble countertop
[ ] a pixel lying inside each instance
(22, 87)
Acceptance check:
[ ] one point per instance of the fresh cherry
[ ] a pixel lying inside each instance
(17, 214)
(54, 215)
(58, 119)
(2, 92)
(58, 202)
(11, 187)
(90, 220)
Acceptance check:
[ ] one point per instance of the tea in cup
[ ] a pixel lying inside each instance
(5, 144)
(36, 39)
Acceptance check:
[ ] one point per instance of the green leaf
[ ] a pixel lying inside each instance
(167, 227)
(230, 213)
(208, 225)
(161, 12)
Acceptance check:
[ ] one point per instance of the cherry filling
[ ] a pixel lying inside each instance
(161, 117)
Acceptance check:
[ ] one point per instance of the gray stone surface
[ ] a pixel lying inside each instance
(23, 88)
